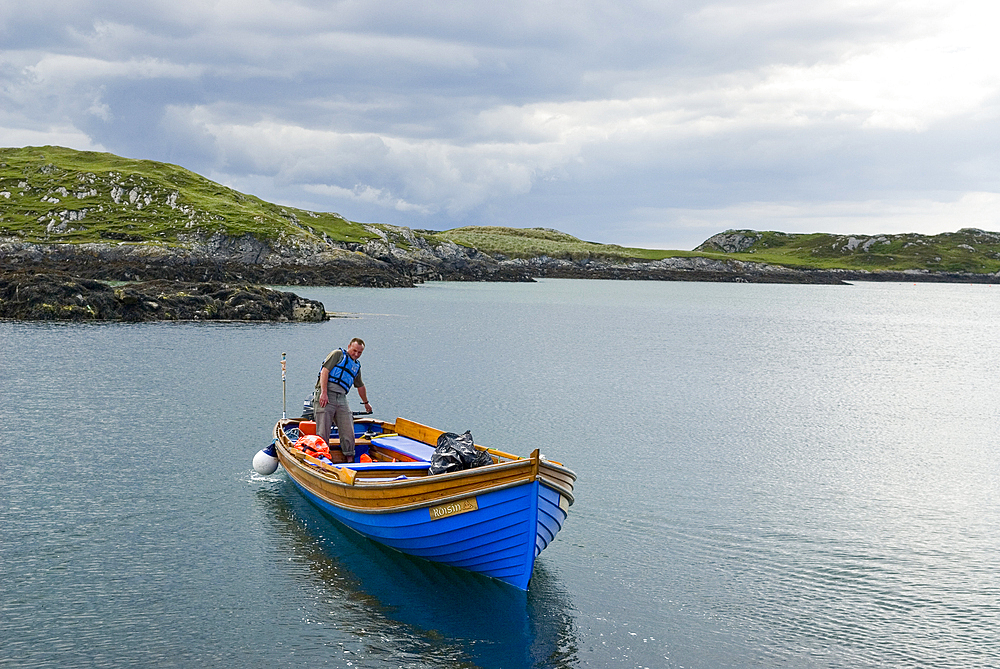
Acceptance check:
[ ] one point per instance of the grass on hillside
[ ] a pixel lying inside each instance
(52, 194)
(532, 242)
(967, 250)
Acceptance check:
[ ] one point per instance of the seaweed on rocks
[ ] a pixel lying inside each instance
(62, 296)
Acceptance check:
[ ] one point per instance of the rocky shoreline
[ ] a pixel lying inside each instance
(384, 263)
(216, 278)
(735, 271)
(106, 218)
(61, 296)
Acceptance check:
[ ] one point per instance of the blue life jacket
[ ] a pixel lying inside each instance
(344, 372)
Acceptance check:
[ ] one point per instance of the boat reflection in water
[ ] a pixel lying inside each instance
(394, 610)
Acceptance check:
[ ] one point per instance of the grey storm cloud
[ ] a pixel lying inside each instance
(642, 123)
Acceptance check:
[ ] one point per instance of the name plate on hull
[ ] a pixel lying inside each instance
(455, 508)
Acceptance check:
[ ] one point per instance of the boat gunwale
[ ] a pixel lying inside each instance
(330, 477)
(303, 473)
(495, 467)
(508, 457)
(533, 471)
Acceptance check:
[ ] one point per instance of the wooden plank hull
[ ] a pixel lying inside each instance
(492, 520)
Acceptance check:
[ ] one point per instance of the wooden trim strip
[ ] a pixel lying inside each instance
(429, 435)
(343, 487)
(313, 480)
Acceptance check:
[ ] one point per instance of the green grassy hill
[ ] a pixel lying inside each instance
(968, 250)
(51, 194)
(533, 242)
(56, 195)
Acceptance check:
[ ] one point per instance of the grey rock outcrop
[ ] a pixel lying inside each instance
(672, 269)
(414, 256)
(731, 241)
(60, 296)
(216, 258)
(398, 257)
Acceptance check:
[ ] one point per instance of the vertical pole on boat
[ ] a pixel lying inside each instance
(282, 386)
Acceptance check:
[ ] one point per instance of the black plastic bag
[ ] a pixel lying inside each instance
(456, 452)
(481, 460)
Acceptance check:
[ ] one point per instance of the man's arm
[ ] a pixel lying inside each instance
(324, 376)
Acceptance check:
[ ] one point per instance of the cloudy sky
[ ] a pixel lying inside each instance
(652, 123)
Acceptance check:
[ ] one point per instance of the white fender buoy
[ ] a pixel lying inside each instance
(266, 461)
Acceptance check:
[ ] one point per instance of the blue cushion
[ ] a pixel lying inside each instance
(406, 446)
(384, 466)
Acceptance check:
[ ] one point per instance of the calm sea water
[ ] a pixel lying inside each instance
(770, 476)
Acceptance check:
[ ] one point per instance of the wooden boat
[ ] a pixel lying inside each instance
(493, 519)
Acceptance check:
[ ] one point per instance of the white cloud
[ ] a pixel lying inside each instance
(426, 175)
(687, 227)
(58, 136)
(57, 69)
(367, 195)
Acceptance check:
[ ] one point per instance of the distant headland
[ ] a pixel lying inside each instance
(98, 216)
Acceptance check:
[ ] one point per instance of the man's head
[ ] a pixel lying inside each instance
(355, 348)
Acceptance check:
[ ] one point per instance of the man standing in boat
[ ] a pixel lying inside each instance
(340, 372)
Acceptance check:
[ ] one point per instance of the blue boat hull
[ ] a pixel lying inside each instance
(493, 520)
(500, 539)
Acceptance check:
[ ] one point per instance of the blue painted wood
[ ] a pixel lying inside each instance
(501, 538)
(550, 518)
(405, 446)
(386, 466)
(498, 540)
